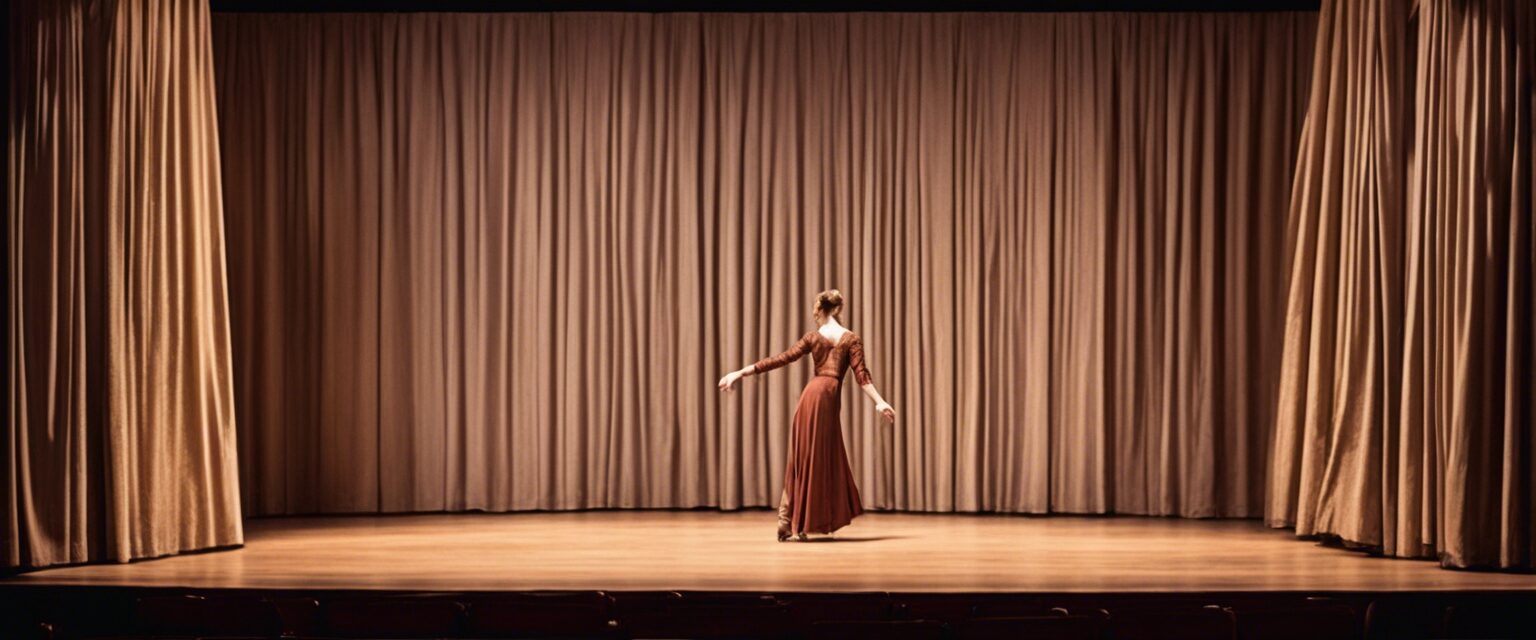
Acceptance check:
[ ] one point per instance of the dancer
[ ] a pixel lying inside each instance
(819, 495)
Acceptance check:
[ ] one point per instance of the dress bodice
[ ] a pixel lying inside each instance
(831, 358)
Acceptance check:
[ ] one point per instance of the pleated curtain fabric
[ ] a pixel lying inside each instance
(1406, 409)
(498, 261)
(120, 434)
(1466, 472)
(1342, 365)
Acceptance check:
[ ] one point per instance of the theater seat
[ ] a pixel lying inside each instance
(543, 615)
(1206, 623)
(180, 615)
(247, 617)
(404, 617)
(716, 615)
(1015, 609)
(1403, 620)
(1315, 622)
(643, 614)
(884, 629)
(300, 616)
(1053, 627)
(808, 609)
(1489, 620)
(198, 616)
(957, 608)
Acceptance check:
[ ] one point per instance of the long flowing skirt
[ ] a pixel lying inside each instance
(818, 483)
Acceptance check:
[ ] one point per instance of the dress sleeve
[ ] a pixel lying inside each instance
(792, 354)
(856, 361)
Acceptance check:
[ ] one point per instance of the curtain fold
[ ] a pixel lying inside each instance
(120, 432)
(1405, 417)
(498, 261)
(1467, 458)
(1339, 385)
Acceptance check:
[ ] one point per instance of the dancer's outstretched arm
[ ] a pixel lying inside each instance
(728, 381)
(861, 375)
(880, 404)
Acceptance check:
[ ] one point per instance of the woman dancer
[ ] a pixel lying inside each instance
(819, 495)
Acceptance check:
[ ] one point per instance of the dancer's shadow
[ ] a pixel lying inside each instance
(853, 539)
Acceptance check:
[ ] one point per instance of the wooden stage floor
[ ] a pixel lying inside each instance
(736, 551)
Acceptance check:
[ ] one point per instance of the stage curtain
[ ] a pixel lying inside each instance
(498, 261)
(1406, 410)
(119, 439)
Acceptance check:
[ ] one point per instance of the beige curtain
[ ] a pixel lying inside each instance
(119, 441)
(498, 261)
(1406, 408)
(1344, 310)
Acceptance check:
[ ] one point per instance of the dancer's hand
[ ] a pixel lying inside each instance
(729, 381)
(885, 410)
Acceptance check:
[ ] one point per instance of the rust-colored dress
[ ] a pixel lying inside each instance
(818, 482)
